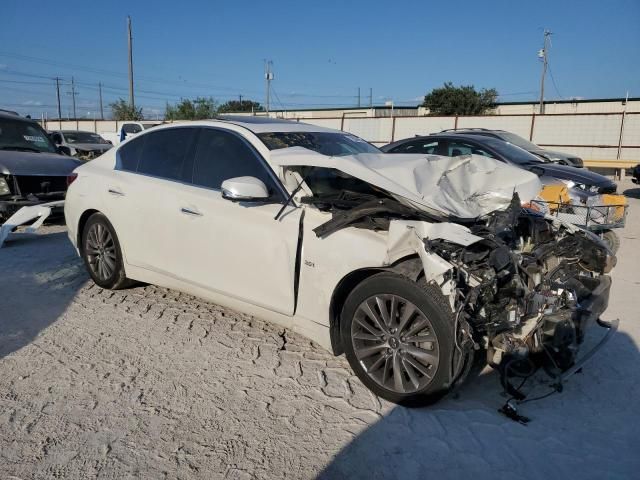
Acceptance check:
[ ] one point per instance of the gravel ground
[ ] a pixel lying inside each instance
(151, 383)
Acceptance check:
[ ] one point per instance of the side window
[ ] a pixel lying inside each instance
(456, 149)
(57, 138)
(164, 152)
(418, 146)
(128, 154)
(131, 128)
(222, 155)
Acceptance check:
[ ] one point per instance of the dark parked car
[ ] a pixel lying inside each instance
(31, 169)
(636, 174)
(454, 144)
(548, 155)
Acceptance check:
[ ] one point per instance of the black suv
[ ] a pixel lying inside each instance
(31, 169)
(455, 144)
(548, 155)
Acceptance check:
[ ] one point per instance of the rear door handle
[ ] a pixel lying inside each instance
(188, 211)
(113, 191)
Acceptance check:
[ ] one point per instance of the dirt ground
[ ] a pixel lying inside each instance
(151, 383)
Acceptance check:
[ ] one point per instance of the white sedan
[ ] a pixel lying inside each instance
(411, 265)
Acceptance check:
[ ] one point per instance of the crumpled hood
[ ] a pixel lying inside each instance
(464, 187)
(31, 163)
(90, 146)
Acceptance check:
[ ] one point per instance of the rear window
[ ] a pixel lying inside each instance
(165, 151)
(128, 155)
(165, 154)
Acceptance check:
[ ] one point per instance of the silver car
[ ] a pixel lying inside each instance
(81, 144)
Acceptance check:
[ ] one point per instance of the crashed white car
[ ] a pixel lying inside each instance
(410, 265)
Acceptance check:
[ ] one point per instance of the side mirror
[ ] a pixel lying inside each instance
(244, 189)
(63, 150)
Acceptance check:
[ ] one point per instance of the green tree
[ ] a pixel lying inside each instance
(196, 109)
(121, 110)
(240, 106)
(463, 100)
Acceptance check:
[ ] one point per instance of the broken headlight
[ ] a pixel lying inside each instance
(4, 187)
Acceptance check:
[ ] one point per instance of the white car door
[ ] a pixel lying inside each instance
(142, 194)
(235, 248)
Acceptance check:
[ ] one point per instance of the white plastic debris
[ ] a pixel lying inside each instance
(39, 213)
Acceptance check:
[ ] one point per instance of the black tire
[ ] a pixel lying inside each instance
(612, 240)
(431, 306)
(114, 277)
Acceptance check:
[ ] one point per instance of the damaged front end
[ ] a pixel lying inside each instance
(529, 289)
(524, 288)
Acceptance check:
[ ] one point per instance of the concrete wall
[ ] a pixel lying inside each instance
(592, 136)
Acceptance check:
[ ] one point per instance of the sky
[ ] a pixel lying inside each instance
(322, 51)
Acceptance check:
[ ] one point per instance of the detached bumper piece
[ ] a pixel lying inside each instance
(35, 213)
(510, 410)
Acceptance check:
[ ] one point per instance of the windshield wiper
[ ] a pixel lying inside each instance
(289, 198)
(19, 148)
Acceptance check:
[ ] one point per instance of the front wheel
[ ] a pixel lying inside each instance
(101, 253)
(612, 240)
(398, 338)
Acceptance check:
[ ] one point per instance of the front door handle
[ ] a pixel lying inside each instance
(188, 211)
(113, 191)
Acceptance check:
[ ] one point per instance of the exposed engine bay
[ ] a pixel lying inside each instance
(524, 288)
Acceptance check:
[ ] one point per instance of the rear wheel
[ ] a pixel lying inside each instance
(101, 253)
(398, 338)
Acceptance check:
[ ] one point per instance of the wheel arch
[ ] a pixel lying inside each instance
(410, 267)
(82, 221)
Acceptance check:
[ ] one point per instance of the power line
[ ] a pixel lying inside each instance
(553, 81)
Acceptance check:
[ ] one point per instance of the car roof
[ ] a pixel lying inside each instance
(76, 131)
(474, 130)
(6, 114)
(452, 136)
(262, 124)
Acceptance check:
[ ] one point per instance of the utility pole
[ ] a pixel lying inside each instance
(370, 97)
(100, 95)
(544, 55)
(58, 95)
(268, 76)
(132, 103)
(358, 97)
(73, 97)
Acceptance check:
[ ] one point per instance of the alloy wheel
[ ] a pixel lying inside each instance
(395, 343)
(101, 251)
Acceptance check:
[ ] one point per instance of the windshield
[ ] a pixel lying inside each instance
(512, 152)
(518, 141)
(326, 143)
(24, 136)
(83, 137)
(146, 126)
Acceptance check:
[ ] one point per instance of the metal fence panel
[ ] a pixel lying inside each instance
(580, 130)
(324, 122)
(408, 127)
(376, 130)
(631, 134)
(520, 125)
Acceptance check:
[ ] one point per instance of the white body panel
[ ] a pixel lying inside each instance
(238, 255)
